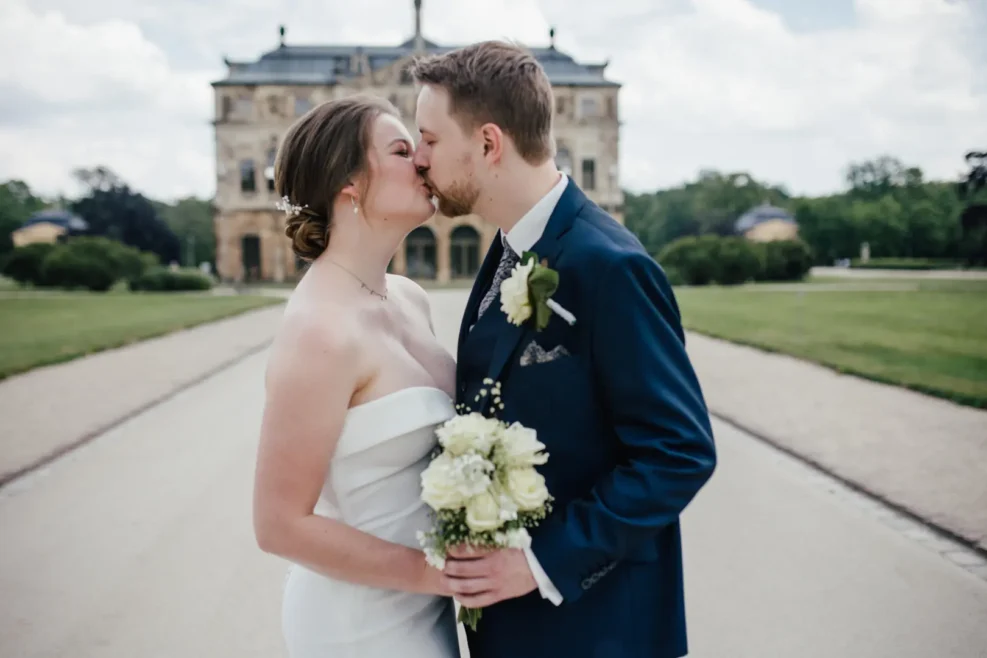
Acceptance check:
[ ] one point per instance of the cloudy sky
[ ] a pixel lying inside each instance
(788, 90)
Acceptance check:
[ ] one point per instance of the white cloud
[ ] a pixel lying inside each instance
(79, 96)
(730, 86)
(707, 83)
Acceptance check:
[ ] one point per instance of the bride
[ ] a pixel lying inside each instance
(356, 385)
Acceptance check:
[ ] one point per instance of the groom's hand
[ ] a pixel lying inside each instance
(480, 577)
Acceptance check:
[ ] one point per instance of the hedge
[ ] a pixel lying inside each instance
(733, 260)
(89, 262)
(160, 279)
(906, 264)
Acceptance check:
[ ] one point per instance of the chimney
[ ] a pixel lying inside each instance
(551, 37)
(281, 30)
(419, 39)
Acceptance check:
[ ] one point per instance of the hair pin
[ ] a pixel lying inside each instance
(287, 207)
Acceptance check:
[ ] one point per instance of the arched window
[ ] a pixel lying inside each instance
(420, 253)
(465, 256)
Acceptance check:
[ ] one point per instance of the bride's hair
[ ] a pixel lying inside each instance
(321, 153)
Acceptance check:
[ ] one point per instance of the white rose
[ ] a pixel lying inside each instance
(517, 538)
(508, 508)
(527, 488)
(514, 300)
(483, 513)
(472, 431)
(521, 447)
(440, 488)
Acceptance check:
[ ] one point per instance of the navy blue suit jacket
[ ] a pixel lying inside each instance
(628, 434)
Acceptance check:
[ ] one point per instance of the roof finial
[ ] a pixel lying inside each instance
(419, 39)
(551, 36)
(281, 31)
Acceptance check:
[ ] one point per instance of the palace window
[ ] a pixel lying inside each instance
(589, 174)
(269, 170)
(248, 176)
(589, 107)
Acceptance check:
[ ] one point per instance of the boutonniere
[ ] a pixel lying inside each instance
(528, 291)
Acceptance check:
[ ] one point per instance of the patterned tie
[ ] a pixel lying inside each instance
(507, 262)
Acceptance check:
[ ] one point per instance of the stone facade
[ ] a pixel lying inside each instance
(257, 102)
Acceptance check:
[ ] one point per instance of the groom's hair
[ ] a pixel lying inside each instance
(496, 82)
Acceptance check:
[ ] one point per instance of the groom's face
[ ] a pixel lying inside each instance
(444, 156)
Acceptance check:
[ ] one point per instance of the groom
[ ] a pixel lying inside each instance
(613, 396)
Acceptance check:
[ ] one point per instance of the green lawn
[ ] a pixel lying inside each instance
(932, 338)
(38, 330)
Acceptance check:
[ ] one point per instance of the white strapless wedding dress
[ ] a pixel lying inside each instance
(374, 484)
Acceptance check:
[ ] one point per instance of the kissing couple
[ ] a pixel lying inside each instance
(357, 383)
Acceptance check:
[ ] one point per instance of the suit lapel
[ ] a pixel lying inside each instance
(548, 247)
(480, 285)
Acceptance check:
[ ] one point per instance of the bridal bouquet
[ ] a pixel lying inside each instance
(483, 487)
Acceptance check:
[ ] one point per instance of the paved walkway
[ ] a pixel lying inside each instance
(51, 409)
(921, 453)
(852, 273)
(140, 544)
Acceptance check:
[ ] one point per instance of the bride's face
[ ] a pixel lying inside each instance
(397, 193)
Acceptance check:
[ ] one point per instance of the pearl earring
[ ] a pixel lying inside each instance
(356, 210)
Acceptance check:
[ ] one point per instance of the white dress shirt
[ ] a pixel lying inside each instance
(522, 238)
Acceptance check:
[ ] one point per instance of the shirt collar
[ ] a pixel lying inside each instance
(529, 229)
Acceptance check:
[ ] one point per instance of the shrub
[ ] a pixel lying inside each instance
(785, 260)
(78, 268)
(674, 277)
(698, 261)
(189, 279)
(81, 262)
(125, 261)
(86, 262)
(690, 257)
(160, 279)
(736, 260)
(23, 264)
(906, 264)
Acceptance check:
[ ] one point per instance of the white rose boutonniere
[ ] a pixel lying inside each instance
(528, 292)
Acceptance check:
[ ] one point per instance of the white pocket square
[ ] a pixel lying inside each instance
(535, 353)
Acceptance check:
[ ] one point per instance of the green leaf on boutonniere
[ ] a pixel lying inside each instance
(542, 283)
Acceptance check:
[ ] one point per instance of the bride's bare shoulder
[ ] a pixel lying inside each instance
(315, 335)
(409, 289)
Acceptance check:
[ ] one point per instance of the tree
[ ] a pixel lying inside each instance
(828, 226)
(710, 205)
(113, 210)
(873, 179)
(973, 221)
(97, 178)
(191, 219)
(881, 224)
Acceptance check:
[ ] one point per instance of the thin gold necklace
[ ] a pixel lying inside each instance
(373, 292)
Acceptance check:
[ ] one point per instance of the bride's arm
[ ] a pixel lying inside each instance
(310, 380)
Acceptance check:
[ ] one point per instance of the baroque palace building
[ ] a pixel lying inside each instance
(257, 101)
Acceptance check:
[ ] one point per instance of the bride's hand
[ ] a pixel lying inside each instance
(435, 582)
